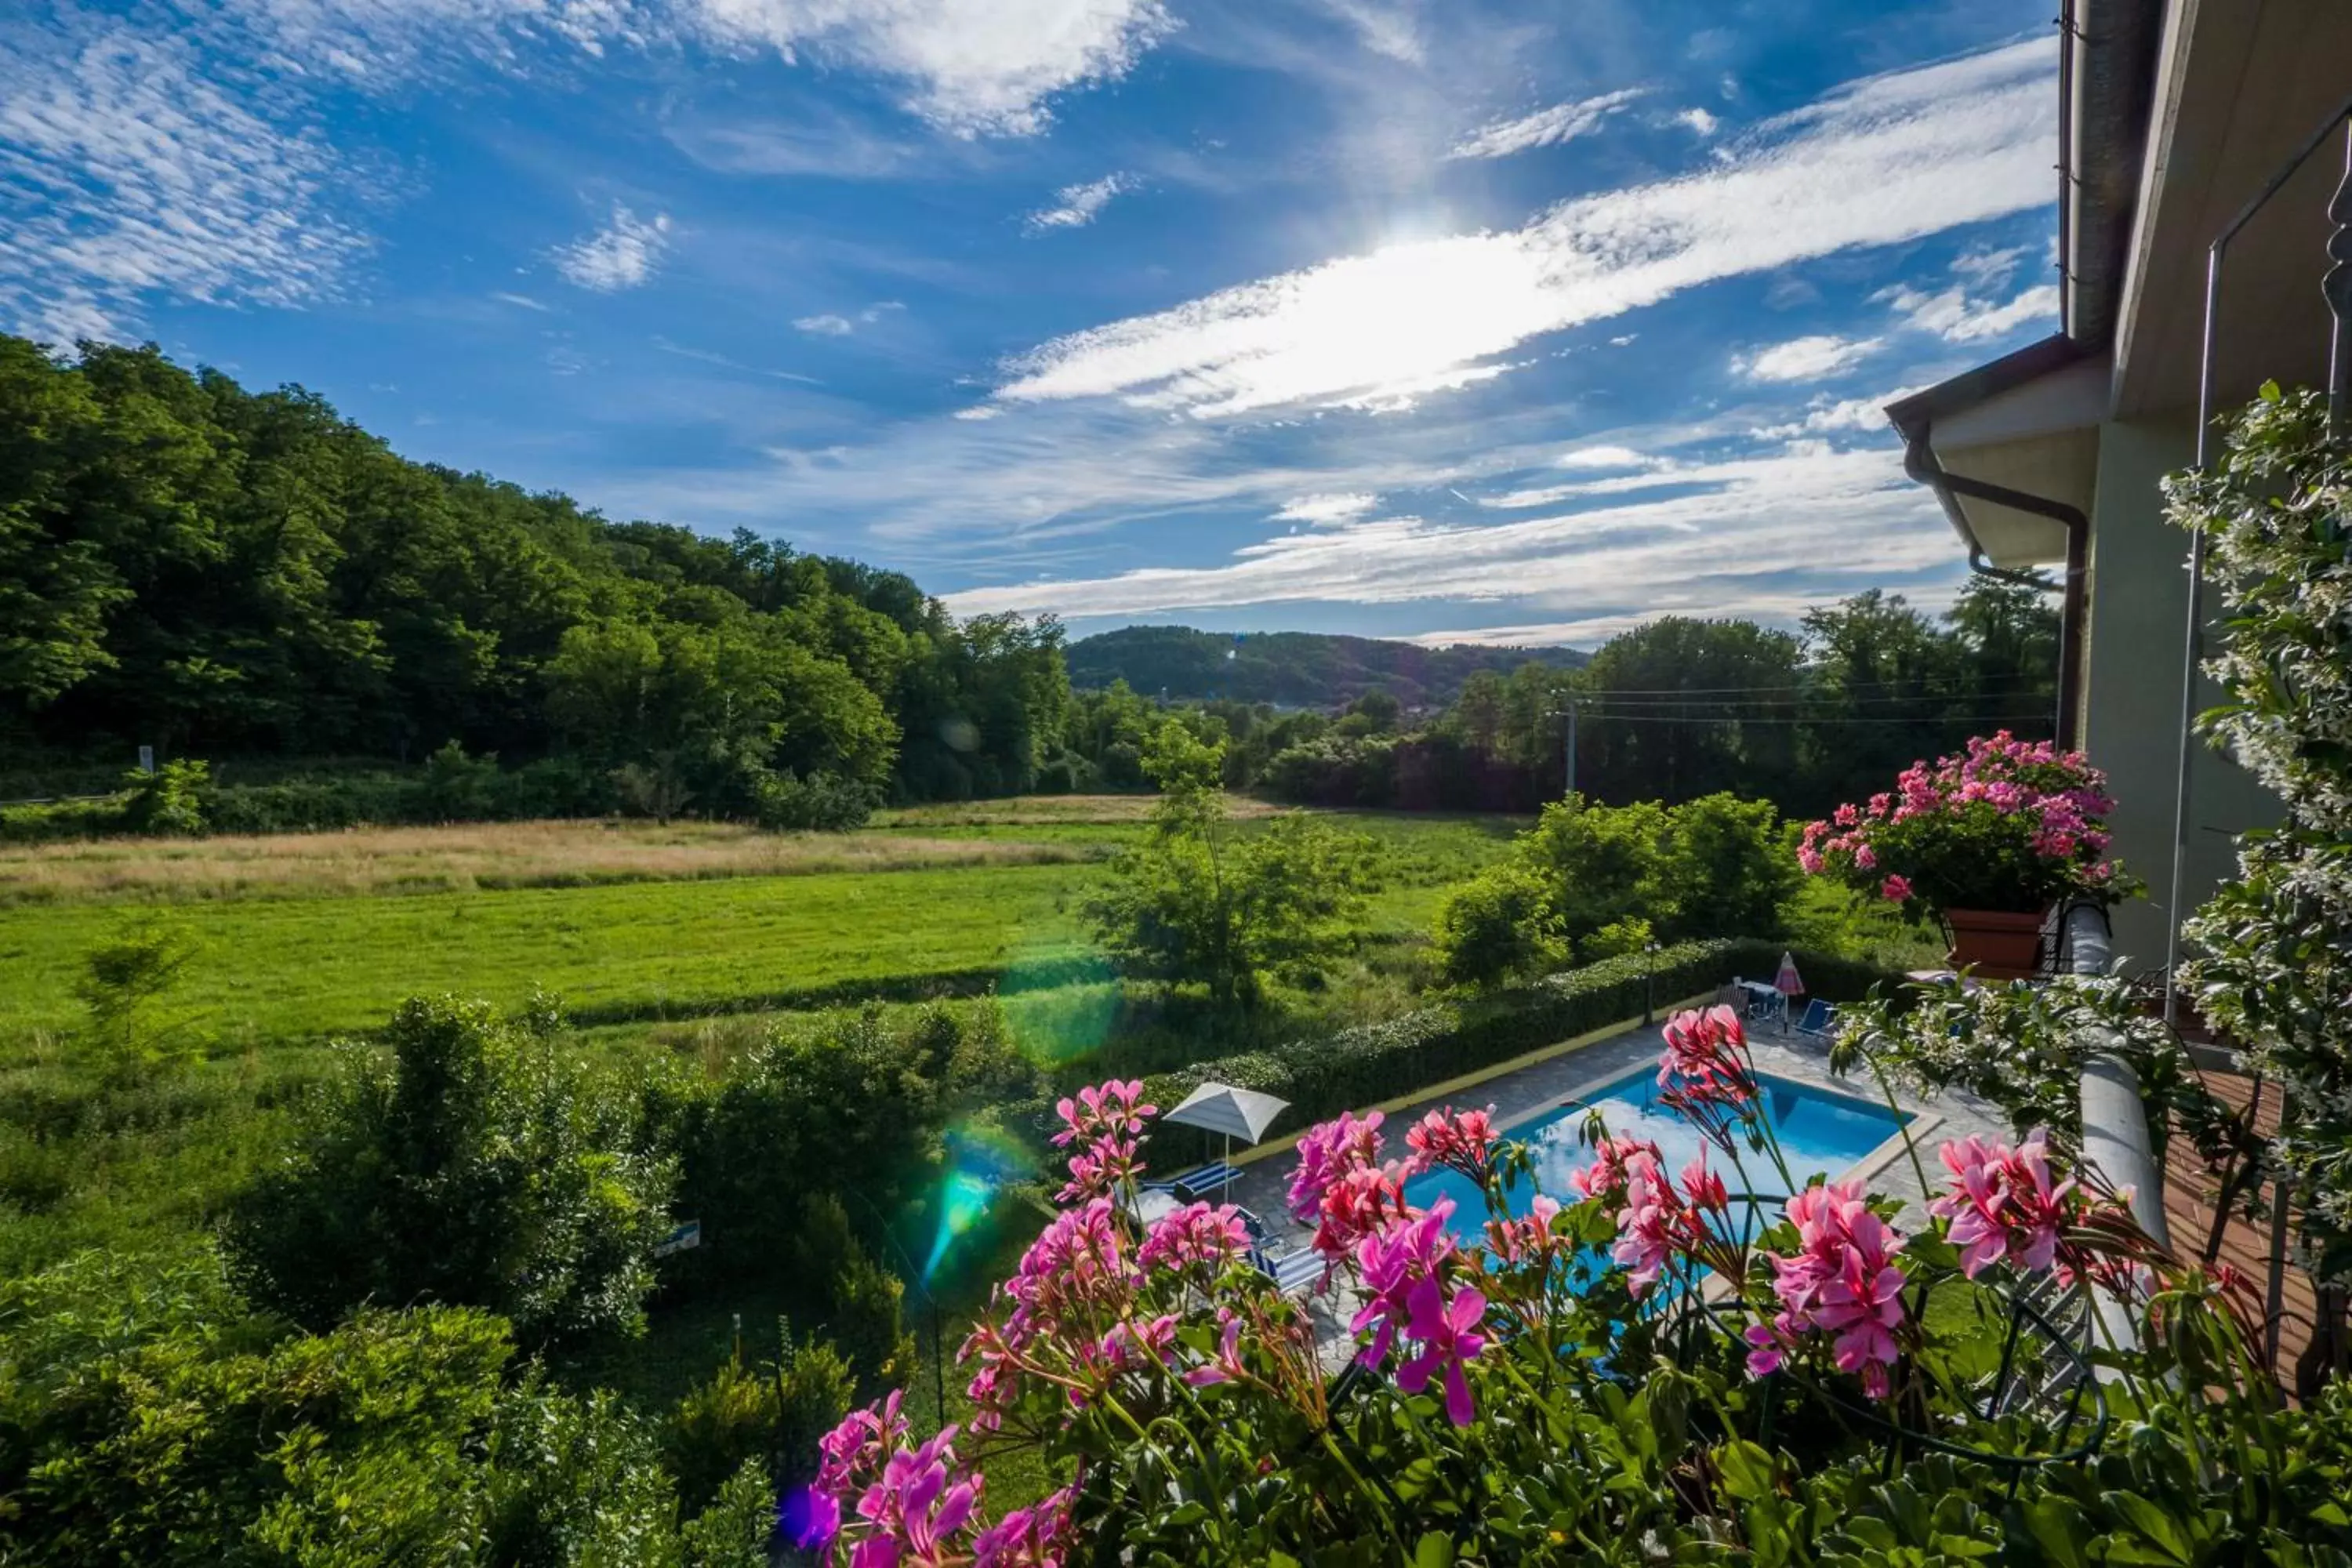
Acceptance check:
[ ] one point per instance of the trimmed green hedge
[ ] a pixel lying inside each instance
(1363, 1066)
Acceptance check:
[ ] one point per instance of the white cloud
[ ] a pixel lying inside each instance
(1078, 205)
(1749, 522)
(1386, 30)
(1603, 456)
(832, 324)
(972, 66)
(1699, 120)
(1828, 415)
(1327, 510)
(128, 171)
(522, 301)
(621, 255)
(1811, 358)
(1885, 160)
(1544, 128)
(1956, 316)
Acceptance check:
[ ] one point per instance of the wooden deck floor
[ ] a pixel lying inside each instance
(2190, 1189)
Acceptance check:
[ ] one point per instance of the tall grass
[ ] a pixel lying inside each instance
(474, 856)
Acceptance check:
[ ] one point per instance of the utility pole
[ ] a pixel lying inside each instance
(1571, 747)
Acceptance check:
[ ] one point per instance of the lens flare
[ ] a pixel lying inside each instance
(980, 1160)
(1058, 1005)
(808, 1519)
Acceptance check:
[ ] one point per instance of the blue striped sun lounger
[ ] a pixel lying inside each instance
(1204, 1182)
(1291, 1272)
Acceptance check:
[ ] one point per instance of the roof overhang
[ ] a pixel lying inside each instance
(2239, 88)
(2026, 424)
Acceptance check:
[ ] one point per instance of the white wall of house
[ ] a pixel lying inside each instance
(2139, 603)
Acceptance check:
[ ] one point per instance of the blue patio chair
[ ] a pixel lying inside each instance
(1820, 1020)
(1290, 1272)
(1200, 1182)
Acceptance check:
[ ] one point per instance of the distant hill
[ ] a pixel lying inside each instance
(1295, 669)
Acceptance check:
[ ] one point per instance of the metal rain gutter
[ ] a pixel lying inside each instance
(1920, 463)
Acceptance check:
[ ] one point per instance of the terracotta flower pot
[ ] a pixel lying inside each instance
(1995, 944)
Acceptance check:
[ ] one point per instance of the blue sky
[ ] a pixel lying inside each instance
(1443, 318)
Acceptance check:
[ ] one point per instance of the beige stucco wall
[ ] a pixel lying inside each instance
(2139, 589)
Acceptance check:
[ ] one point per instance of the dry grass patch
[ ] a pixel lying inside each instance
(1049, 810)
(473, 857)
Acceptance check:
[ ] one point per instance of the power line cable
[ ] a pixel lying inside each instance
(1890, 723)
(1824, 684)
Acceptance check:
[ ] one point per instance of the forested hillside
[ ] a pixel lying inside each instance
(222, 573)
(1293, 669)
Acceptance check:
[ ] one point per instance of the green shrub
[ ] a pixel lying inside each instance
(169, 802)
(735, 1528)
(124, 986)
(145, 1417)
(480, 1165)
(771, 1417)
(817, 803)
(1502, 924)
(52, 821)
(1194, 902)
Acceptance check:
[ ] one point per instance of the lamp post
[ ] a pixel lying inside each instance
(915, 1280)
(1649, 983)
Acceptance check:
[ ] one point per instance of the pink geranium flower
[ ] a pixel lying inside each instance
(1036, 1537)
(1196, 1234)
(1605, 1178)
(1842, 1285)
(1327, 1152)
(2002, 1203)
(1705, 1060)
(1462, 1141)
(1449, 1338)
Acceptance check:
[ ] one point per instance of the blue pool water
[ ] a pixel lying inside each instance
(1819, 1132)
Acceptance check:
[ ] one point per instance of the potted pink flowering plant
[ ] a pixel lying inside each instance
(1986, 839)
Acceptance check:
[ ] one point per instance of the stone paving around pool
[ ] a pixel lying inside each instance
(1532, 1090)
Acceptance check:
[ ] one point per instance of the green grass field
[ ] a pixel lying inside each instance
(280, 967)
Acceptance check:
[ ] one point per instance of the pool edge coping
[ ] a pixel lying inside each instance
(1873, 1160)
(1470, 1081)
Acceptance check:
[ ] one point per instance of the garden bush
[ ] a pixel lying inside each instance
(769, 1416)
(1499, 926)
(1586, 875)
(817, 803)
(146, 1418)
(480, 1165)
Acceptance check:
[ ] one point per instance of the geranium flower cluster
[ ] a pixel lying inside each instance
(1658, 1223)
(1107, 1119)
(1842, 1286)
(908, 1505)
(1931, 833)
(1460, 1141)
(1706, 1073)
(2002, 1204)
(1341, 1185)
(1403, 1273)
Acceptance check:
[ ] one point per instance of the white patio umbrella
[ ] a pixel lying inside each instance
(1242, 1113)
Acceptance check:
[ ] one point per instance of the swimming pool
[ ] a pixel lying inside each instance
(1819, 1132)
